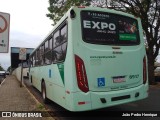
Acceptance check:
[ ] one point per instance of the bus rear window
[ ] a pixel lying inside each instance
(109, 28)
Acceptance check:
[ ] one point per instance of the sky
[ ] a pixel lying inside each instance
(28, 24)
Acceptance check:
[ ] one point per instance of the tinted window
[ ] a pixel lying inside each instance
(33, 60)
(50, 44)
(38, 57)
(60, 45)
(63, 34)
(108, 28)
(48, 57)
(46, 46)
(42, 55)
(57, 54)
(64, 49)
(56, 39)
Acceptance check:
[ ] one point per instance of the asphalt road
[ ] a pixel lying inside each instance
(149, 105)
(1, 79)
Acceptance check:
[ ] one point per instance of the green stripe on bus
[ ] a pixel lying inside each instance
(127, 37)
(61, 70)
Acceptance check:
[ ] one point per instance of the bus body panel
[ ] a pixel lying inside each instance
(109, 96)
(34, 73)
(103, 64)
(54, 84)
(80, 101)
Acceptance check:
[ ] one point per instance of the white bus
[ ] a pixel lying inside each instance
(93, 58)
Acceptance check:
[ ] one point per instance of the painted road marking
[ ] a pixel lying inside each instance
(2, 82)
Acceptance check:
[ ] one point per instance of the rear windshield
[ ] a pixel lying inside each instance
(109, 28)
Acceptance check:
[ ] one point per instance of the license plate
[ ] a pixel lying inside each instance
(119, 79)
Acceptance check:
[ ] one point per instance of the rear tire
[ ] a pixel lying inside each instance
(44, 96)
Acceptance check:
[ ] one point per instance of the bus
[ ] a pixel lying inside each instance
(93, 58)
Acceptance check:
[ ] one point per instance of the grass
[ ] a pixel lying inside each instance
(40, 107)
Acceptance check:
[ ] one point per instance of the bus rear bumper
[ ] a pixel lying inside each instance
(106, 99)
(97, 100)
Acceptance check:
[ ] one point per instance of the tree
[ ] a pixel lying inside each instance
(9, 68)
(149, 12)
(1, 68)
(57, 8)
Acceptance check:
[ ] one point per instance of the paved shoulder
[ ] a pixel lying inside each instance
(16, 98)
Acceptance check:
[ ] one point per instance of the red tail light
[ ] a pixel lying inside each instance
(144, 70)
(81, 74)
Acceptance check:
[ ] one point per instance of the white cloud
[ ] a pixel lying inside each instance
(28, 24)
(27, 15)
(20, 39)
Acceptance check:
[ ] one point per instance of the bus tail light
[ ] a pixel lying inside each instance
(84, 102)
(81, 74)
(81, 103)
(144, 70)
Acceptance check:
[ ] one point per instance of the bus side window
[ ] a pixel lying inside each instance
(60, 45)
(54, 52)
(42, 55)
(38, 57)
(64, 34)
(64, 41)
(50, 47)
(33, 60)
(57, 53)
(48, 52)
(64, 49)
(56, 39)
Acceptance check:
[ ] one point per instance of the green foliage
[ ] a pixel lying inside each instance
(1, 68)
(9, 68)
(40, 106)
(57, 8)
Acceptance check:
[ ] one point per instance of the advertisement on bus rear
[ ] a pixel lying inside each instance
(103, 28)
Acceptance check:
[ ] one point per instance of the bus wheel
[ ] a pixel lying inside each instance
(45, 100)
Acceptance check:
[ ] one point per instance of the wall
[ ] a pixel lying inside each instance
(17, 73)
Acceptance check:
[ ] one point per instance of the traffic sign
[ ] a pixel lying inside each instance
(22, 53)
(4, 32)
